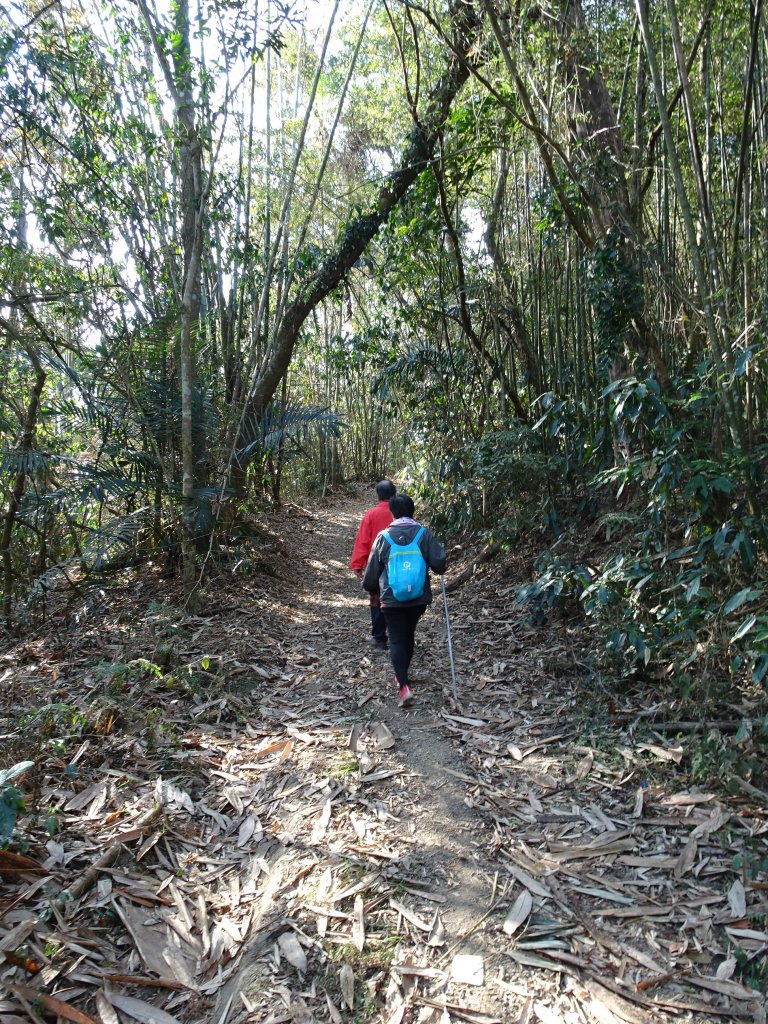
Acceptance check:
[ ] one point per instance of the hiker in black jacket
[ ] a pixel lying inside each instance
(402, 614)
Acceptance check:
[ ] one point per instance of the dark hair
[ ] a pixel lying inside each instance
(385, 489)
(401, 505)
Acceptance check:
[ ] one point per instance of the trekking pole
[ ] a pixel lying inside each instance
(450, 641)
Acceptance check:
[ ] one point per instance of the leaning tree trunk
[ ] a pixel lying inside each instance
(466, 19)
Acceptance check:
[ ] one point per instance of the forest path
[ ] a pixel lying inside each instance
(416, 823)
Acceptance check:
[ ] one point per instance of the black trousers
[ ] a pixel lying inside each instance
(378, 624)
(401, 626)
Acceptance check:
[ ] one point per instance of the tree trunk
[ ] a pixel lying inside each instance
(179, 81)
(27, 437)
(191, 166)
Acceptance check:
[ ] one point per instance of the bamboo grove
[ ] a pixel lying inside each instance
(517, 254)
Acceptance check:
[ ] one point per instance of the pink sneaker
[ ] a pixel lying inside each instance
(406, 697)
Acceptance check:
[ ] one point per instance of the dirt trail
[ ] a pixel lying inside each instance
(438, 843)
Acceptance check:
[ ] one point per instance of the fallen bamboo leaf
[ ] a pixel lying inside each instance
(663, 753)
(271, 748)
(381, 735)
(292, 950)
(139, 979)
(737, 900)
(418, 972)
(726, 969)
(333, 1010)
(451, 1010)
(12, 864)
(358, 924)
(246, 833)
(106, 1010)
(299, 1011)
(365, 882)
(143, 1012)
(687, 858)
(321, 825)
(409, 915)
(168, 795)
(382, 773)
(545, 1015)
(436, 937)
(347, 985)
(518, 913)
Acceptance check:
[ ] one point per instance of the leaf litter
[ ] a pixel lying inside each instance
(276, 844)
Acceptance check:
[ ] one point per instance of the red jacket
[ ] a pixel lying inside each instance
(374, 521)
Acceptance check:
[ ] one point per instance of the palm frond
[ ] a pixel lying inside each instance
(92, 414)
(414, 366)
(29, 461)
(288, 426)
(107, 546)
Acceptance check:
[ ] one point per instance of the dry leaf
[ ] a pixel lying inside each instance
(737, 900)
(321, 825)
(409, 915)
(726, 969)
(13, 864)
(518, 913)
(168, 795)
(436, 936)
(333, 1010)
(358, 924)
(381, 735)
(687, 858)
(545, 1015)
(143, 1012)
(299, 1011)
(105, 1008)
(637, 810)
(250, 831)
(663, 753)
(292, 950)
(347, 985)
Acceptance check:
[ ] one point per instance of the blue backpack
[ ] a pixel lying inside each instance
(406, 569)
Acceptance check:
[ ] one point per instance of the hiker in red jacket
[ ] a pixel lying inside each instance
(374, 521)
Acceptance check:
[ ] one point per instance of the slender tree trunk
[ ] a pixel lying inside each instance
(190, 158)
(190, 153)
(17, 493)
(717, 343)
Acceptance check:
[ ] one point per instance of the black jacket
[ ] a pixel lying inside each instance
(376, 579)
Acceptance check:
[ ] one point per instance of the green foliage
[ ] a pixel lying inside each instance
(615, 289)
(11, 801)
(558, 581)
